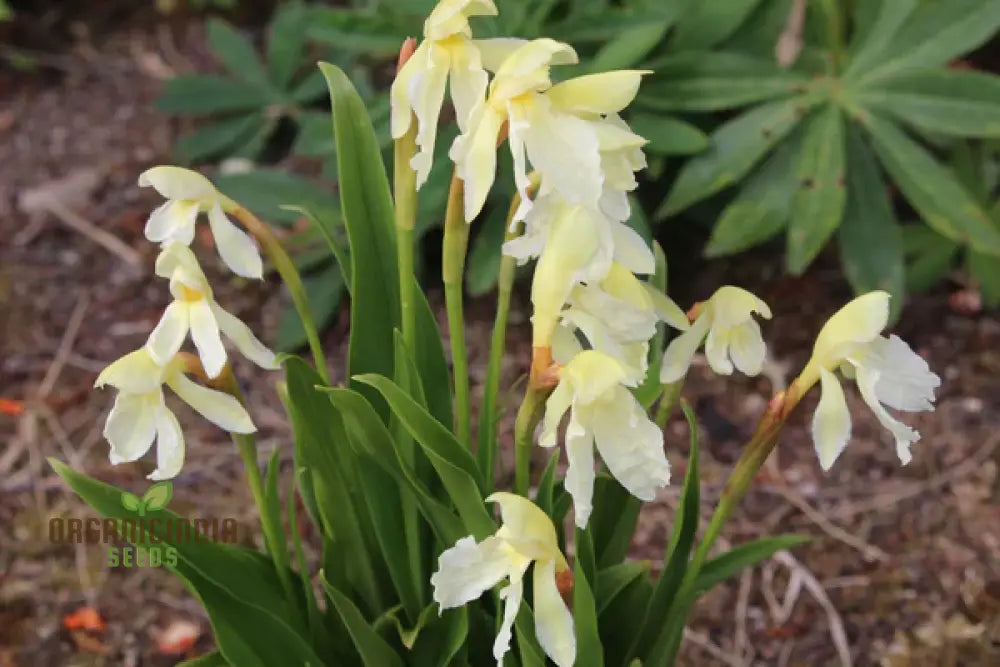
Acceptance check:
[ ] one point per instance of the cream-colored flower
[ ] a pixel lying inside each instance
(594, 387)
(885, 369)
(188, 194)
(140, 416)
(469, 569)
(552, 126)
(447, 52)
(731, 336)
(195, 310)
(618, 316)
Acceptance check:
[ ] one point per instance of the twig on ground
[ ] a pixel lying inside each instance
(108, 241)
(706, 645)
(740, 639)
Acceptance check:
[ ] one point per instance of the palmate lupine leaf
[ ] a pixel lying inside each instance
(668, 135)
(286, 41)
(705, 24)
(236, 53)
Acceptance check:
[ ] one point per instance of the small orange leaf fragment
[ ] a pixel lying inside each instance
(9, 406)
(84, 618)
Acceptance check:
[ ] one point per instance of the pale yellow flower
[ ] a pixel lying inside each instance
(552, 126)
(603, 412)
(885, 369)
(447, 52)
(140, 416)
(526, 536)
(188, 194)
(195, 310)
(729, 331)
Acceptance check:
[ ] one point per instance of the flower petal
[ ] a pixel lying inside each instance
(667, 310)
(205, 334)
(903, 434)
(606, 92)
(467, 570)
(427, 93)
(217, 407)
(525, 522)
(860, 321)
(553, 621)
(747, 348)
(492, 52)
(579, 480)
(511, 595)
(399, 93)
(565, 345)
(169, 333)
(905, 380)
(169, 445)
(475, 156)
(680, 352)
(131, 425)
(178, 183)
(244, 339)
(236, 248)
(631, 250)
(831, 426)
(173, 221)
(556, 406)
(468, 81)
(134, 373)
(630, 444)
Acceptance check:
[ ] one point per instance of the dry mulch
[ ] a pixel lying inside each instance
(903, 567)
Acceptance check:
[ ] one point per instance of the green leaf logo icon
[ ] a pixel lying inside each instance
(158, 495)
(130, 501)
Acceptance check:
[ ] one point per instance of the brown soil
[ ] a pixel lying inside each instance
(905, 560)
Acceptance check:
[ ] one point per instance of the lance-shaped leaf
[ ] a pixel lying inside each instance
(705, 24)
(612, 581)
(668, 135)
(374, 650)
(208, 93)
(730, 563)
(235, 52)
(589, 652)
(286, 41)
(818, 204)
(957, 103)
(733, 151)
(932, 189)
(874, 36)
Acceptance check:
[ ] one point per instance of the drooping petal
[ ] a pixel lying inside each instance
(526, 526)
(517, 123)
(630, 444)
(178, 262)
(527, 68)
(732, 306)
(169, 445)
(565, 345)
(169, 333)
(510, 595)
(173, 221)
(905, 381)
(131, 425)
(667, 310)
(903, 434)
(468, 81)
(400, 103)
(607, 92)
(631, 250)
(492, 52)
(467, 570)
(236, 248)
(427, 94)
(475, 156)
(579, 481)
(593, 375)
(451, 17)
(860, 321)
(244, 339)
(217, 407)
(680, 352)
(831, 426)
(134, 373)
(556, 406)
(553, 620)
(205, 335)
(747, 348)
(178, 183)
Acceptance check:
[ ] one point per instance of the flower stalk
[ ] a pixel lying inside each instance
(405, 200)
(455, 245)
(290, 275)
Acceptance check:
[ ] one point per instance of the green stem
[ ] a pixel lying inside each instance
(456, 240)
(756, 451)
(486, 452)
(835, 32)
(668, 401)
(528, 416)
(405, 199)
(293, 281)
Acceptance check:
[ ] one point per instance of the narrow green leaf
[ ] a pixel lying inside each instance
(272, 501)
(985, 269)
(618, 621)
(668, 135)
(313, 616)
(760, 209)
(730, 563)
(932, 189)
(951, 102)
(432, 365)
(873, 40)
(213, 659)
(443, 639)
(705, 24)
(545, 492)
(589, 652)
(930, 257)
(612, 581)
(235, 52)
(324, 291)
(818, 203)
(629, 48)
(286, 41)
(675, 562)
(716, 81)
(586, 559)
(220, 138)
(374, 651)
(651, 388)
(207, 94)
(733, 151)
(937, 32)
(871, 240)
(267, 191)
(368, 214)
(613, 521)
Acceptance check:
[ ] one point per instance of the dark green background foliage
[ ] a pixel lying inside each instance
(876, 136)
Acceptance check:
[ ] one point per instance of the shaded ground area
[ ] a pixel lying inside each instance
(903, 567)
